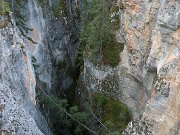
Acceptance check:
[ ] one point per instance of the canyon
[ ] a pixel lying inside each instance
(146, 79)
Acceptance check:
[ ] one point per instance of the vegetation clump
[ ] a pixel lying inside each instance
(102, 114)
(115, 115)
(97, 34)
(59, 111)
(111, 54)
(4, 7)
(115, 16)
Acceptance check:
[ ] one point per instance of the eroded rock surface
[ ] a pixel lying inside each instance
(147, 78)
(57, 38)
(152, 39)
(18, 114)
(26, 65)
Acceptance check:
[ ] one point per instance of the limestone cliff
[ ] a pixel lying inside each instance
(152, 38)
(56, 31)
(147, 78)
(18, 114)
(26, 65)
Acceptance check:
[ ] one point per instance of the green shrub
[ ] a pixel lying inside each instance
(115, 115)
(111, 54)
(61, 64)
(59, 120)
(81, 117)
(59, 7)
(111, 112)
(4, 7)
(97, 33)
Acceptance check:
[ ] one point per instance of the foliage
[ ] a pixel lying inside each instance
(97, 32)
(4, 7)
(35, 65)
(111, 112)
(58, 119)
(111, 54)
(61, 64)
(115, 16)
(56, 116)
(115, 115)
(80, 116)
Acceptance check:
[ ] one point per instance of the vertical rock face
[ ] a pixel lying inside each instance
(152, 39)
(56, 31)
(147, 78)
(18, 114)
(49, 59)
(36, 21)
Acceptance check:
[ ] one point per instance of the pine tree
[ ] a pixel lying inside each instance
(97, 31)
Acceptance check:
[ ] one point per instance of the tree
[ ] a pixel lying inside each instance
(97, 32)
(61, 116)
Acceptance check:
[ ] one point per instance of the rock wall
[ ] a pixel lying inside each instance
(18, 114)
(56, 31)
(117, 82)
(26, 65)
(147, 78)
(152, 39)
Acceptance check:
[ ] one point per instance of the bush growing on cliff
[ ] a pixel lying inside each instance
(4, 7)
(42, 2)
(97, 33)
(115, 115)
(60, 8)
(111, 54)
(56, 115)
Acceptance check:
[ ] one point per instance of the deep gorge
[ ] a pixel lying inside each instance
(71, 68)
(104, 67)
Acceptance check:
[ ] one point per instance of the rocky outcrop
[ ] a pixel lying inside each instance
(117, 82)
(18, 114)
(140, 126)
(147, 78)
